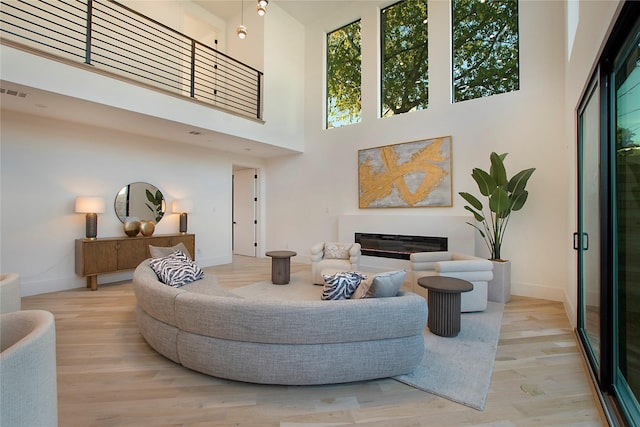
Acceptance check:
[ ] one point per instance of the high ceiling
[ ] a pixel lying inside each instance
(305, 11)
(43, 103)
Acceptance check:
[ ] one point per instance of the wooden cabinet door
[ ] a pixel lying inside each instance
(99, 257)
(113, 254)
(131, 253)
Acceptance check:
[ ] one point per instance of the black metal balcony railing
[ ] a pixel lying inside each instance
(114, 38)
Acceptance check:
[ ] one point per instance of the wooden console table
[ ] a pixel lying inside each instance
(113, 254)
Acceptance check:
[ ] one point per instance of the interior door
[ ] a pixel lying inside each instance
(245, 203)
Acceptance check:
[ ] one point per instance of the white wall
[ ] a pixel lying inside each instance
(276, 35)
(185, 17)
(307, 193)
(45, 164)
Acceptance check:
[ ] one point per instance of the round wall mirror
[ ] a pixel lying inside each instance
(141, 200)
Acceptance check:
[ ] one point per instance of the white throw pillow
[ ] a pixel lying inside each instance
(337, 250)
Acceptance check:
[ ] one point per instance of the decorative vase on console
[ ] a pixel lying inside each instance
(131, 226)
(147, 228)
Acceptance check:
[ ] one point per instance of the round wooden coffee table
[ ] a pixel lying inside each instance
(280, 266)
(443, 300)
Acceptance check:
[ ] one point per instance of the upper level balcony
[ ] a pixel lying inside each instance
(110, 39)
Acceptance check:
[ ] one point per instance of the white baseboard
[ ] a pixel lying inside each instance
(535, 290)
(52, 285)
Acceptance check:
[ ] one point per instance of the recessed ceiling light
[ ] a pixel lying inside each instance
(194, 132)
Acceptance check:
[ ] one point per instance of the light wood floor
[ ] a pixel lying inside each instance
(108, 376)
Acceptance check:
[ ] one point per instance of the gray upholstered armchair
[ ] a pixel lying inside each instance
(333, 256)
(10, 299)
(478, 271)
(29, 387)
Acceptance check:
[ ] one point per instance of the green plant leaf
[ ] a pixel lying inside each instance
(499, 202)
(476, 214)
(519, 200)
(518, 182)
(472, 200)
(477, 228)
(486, 183)
(498, 171)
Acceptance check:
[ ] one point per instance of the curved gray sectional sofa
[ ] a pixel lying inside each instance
(213, 331)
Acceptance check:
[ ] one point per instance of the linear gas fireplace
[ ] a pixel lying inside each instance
(398, 246)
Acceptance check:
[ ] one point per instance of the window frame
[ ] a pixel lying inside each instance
(494, 91)
(327, 123)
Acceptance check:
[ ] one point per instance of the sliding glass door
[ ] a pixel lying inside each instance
(587, 240)
(625, 97)
(608, 235)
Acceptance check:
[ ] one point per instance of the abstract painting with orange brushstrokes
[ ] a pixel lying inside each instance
(407, 175)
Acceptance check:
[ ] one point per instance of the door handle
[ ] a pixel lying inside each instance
(584, 241)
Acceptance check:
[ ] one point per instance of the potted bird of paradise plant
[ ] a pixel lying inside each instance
(503, 196)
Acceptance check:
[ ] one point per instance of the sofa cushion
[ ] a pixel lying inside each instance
(300, 322)
(176, 269)
(341, 285)
(162, 251)
(387, 284)
(337, 250)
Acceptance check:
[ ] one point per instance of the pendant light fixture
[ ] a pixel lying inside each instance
(262, 7)
(242, 30)
(262, 10)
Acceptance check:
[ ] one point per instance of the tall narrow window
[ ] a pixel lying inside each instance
(344, 65)
(485, 48)
(405, 57)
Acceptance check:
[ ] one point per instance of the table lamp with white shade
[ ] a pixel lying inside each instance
(92, 206)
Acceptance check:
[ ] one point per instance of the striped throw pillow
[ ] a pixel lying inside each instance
(176, 269)
(341, 285)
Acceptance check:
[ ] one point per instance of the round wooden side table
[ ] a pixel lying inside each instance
(443, 300)
(280, 266)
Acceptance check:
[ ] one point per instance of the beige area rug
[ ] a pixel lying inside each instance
(460, 368)
(299, 288)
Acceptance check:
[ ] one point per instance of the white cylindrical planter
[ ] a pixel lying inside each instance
(500, 285)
